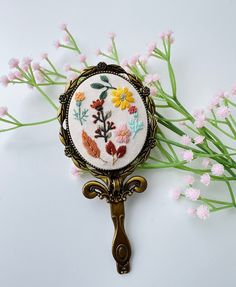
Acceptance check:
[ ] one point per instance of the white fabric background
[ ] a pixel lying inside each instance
(50, 235)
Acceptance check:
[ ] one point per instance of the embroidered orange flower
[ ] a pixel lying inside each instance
(79, 96)
(122, 97)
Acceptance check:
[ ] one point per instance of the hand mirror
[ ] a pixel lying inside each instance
(108, 128)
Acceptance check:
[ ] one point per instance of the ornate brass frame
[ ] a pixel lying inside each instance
(116, 189)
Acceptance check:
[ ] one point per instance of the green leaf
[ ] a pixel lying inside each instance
(103, 95)
(97, 86)
(108, 115)
(104, 78)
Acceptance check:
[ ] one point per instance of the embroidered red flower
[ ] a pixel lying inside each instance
(132, 109)
(97, 105)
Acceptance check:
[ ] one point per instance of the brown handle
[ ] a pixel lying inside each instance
(121, 248)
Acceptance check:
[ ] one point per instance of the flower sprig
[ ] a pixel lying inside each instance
(201, 144)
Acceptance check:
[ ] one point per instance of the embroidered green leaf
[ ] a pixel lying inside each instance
(135, 125)
(104, 78)
(103, 95)
(97, 86)
(109, 135)
(107, 115)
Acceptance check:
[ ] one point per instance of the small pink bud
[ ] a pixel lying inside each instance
(67, 67)
(206, 162)
(217, 169)
(36, 66)
(11, 76)
(111, 35)
(192, 211)
(124, 63)
(63, 27)
(18, 75)
(188, 155)
(4, 81)
(26, 61)
(57, 44)
(143, 59)
(175, 194)
(98, 52)
(82, 58)
(205, 179)
(234, 90)
(199, 139)
(66, 39)
(189, 179)
(186, 140)
(39, 76)
(151, 47)
(192, 193)
(133, 60)
(162, 36)
(44, 56)
(3, 111)
(223, 112)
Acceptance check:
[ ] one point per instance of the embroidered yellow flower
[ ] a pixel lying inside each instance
(122, 98)
(79, 96)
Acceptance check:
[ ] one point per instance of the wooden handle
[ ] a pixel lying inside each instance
(121, 248)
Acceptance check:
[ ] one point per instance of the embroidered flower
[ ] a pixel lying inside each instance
(122, 98)
(79, 96)
(122, 134)
(132, 109)
(97, 105)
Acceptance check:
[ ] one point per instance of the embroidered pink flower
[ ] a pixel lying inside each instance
(3, 111)
(186, 140)
(217, 169)
(203, 212)
(206, 162)
(122, 134)
(4, 81)
(13, 63)
(189, 179)
(187, 155)
(132, 109)
(192, 211)
(192, 193)
(199, 139)
(205, 179)
(223, 112)
(175, 194)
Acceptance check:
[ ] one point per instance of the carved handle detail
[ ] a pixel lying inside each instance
(121, 248)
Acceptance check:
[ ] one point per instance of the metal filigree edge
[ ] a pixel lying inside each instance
(116, 188)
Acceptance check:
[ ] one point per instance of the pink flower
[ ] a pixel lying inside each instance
(151, 78)
(206, 162)
(124, 63)
(203, 212)
(11, 76)
(3, 111)
(63, 27)
(175, 194)
(186, 140)
(153, 91)
(189, 179)
(217, 169)
(67, 67)
(192, 193)
(200, 118)
(205, 179)
(215, 102)
(172, 40)
(169, 33)
(223, 95)
(111, 35)
(234, 91)
(44, 56)
(66, 39)
(26, 61)
(187, 155)
(18, 75)
(133, 60)
(98, 52)
(223, 112)
(39, 76)
(82, 58)
(36, 66)
(199, 139)
(4, 81)
(143, 59)
(151, 47)
(76, 171)
(72, 76)
(57, 44)
(13, 63)
(192, 211)
(122, 134)
(163, 36)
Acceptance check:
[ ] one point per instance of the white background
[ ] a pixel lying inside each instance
(50, 235)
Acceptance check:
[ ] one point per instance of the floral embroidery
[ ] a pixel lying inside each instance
(115, 153)
(122, 97)
(106, 86)
(91, 146)
(103, 131)
(135, 125)
(122, 134)
(132, 109)
(78, 114)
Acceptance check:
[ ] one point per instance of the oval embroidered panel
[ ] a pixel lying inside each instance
(107, 121)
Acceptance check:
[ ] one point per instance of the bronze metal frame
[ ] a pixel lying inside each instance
(116, 187)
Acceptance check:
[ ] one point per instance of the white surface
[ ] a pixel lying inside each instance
(50, 235)
(118, 116)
